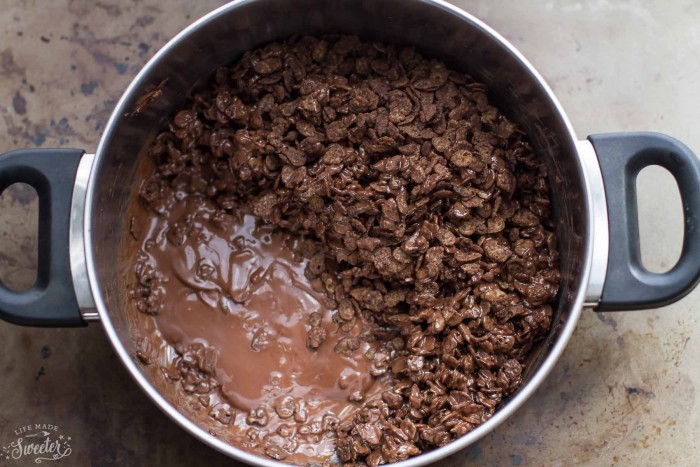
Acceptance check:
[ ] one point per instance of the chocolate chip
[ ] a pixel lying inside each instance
(223, 413)
(258, 417)
(317, 335)
(285, 407)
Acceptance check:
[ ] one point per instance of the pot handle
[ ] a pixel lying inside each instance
(51, 302)
(628, 284)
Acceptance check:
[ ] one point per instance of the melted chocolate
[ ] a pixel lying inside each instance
(239, 288)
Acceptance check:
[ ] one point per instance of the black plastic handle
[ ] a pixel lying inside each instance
(628, 284)
(51, 301)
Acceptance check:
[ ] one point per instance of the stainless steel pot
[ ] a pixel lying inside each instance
(83, 198)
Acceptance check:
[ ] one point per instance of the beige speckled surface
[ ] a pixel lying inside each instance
(624, 391)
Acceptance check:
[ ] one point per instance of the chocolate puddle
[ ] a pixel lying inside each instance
(239, 289)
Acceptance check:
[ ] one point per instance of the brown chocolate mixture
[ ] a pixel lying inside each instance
(421, 219)
(240, 291)
(241, 316)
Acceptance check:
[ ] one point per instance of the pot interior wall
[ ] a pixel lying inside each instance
(434, 30)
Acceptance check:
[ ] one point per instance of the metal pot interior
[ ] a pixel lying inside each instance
(434, 29)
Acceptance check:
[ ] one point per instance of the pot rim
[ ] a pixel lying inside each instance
(514, 403)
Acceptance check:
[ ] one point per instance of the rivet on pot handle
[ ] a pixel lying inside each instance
(628, 284)
(51, 302)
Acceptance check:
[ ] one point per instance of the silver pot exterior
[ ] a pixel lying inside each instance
(434, 28)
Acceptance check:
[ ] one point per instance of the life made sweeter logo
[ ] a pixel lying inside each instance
(40, 442)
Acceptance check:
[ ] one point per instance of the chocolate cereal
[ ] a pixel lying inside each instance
(426, 223)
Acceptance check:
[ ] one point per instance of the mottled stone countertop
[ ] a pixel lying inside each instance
(623, 393)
